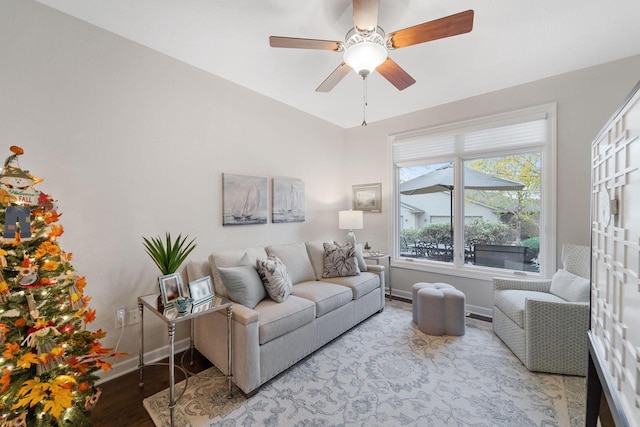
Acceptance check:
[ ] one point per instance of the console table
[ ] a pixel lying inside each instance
(171, 317)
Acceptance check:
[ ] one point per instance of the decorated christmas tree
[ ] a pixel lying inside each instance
(49, 358)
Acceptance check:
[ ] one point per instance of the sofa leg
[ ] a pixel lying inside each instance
(381, 310)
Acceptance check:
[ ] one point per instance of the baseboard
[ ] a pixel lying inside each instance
(131, 364)
(473, 309)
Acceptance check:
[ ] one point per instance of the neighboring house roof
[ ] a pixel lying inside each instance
(411, 208)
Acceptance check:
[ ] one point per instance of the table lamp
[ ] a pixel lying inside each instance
(350, 220)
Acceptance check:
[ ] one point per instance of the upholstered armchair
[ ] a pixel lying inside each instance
(545, 322)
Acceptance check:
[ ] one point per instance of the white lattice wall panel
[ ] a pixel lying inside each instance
(615, 309)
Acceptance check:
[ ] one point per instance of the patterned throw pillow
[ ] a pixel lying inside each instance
(340, 260)
(275, 278)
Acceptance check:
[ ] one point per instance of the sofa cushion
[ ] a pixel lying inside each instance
(230, 259)
(295, 257)
(275, 277)
(326, 296)
(512, 302)
(277, 319)
(340, 260)
(359, 285)
(570, 287)
(315, 250)
(243, 284)
(362, 264)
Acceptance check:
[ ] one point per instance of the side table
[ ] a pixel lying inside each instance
(374, 256)
(171, 317)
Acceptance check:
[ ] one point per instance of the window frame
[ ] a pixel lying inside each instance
(548, 204)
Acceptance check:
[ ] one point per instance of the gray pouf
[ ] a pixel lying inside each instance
(421, 285)
(441, 311)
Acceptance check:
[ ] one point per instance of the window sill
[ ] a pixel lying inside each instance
(466, 271)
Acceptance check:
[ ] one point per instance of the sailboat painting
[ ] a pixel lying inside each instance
(288, 200)
(244, 199)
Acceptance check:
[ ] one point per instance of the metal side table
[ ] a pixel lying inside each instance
(171, 318)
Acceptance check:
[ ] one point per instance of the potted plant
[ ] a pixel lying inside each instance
(168, 255)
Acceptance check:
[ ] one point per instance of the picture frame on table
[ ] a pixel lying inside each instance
(367, 198)
(201, 290)
(202, 306)
(170, 288)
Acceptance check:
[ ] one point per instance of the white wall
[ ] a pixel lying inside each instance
(133, 143)
(585, 100)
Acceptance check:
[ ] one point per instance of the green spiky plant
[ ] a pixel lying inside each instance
(168, 255)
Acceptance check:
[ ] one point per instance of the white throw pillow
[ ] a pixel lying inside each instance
(570, 287)
(362, 265)
(243, 284)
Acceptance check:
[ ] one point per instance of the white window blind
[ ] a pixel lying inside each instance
(467, 139)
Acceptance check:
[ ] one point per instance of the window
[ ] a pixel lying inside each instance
(478, 195)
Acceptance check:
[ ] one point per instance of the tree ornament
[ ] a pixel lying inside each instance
(90, 401)
(19, 421)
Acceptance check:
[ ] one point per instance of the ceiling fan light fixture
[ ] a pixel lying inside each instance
(364, 57)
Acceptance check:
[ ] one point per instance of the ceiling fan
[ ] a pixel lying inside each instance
(366, 46)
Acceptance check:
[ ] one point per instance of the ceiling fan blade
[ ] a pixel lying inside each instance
(334, 78)
(292, 42)
(365, 14)
(395, 74)
(448, 26)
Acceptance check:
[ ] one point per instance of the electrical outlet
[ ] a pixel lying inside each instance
(133, 316)
(121, 318)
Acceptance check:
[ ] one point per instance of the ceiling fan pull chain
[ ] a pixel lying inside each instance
(364, 101)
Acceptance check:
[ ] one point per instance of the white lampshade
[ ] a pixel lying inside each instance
(350, 220)
(364, 57)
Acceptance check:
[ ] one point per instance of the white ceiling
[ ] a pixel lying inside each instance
(512, 42)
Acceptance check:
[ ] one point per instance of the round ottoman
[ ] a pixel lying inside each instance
(421, 285)
(441, 311)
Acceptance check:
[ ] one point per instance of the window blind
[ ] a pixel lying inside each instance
(465, 140)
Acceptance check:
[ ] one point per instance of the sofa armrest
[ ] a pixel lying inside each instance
(244, 315)
(379, 270)
(375, 268)
(556, 336)
(521, 285)
(211, 336)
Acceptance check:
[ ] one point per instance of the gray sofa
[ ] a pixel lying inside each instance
(271, 337)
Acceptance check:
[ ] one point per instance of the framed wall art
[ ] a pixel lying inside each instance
(367, 198)
(288, 200)
(244, 199)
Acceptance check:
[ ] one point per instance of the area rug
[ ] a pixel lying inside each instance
(386, 372)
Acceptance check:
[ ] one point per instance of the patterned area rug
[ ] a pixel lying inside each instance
(385, 372)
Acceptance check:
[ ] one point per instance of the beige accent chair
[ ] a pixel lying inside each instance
(545, 322)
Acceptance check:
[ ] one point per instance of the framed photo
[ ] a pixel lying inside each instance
(170, 288)
(201, 290)
(367, 197)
